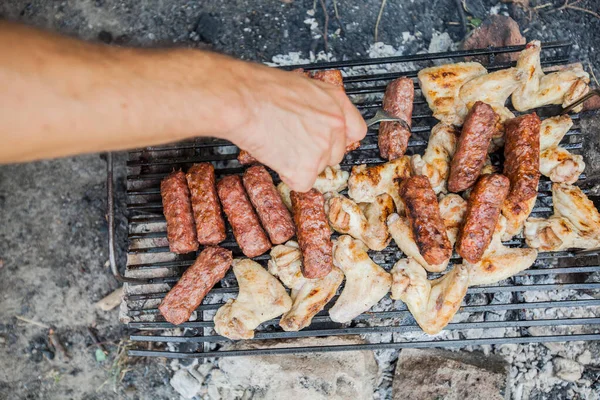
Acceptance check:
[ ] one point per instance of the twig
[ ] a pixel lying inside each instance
(96, 341)
(585, 10)
(593, 75)
(379, 19)
(337, 14)
(325, 25)
(573, 6)
(461, 14)
(32, 322)
(58, 346)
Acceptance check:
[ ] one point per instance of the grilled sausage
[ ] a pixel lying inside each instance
(208, 269)
(522, 158)
(210, 226)
(425, 220)
(483, 211)
(273, 214)
(177, 207)
(397, 101)
(241, 216)
(246, 158)
(472, 147)
(314, 235)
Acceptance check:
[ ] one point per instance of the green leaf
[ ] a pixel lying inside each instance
(476, 22)
(100, 356)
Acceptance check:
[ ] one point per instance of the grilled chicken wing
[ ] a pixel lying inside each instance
(441, 86)
(500, 262)
(432, 303)
(332, 179)
(364, 221)
(368, 182)
(261, 298)
(452, 209)
(435, 162)
(575, 223)
(309, 296)
(493, 89)
(557, 163)
(538, 89)
(366, 282)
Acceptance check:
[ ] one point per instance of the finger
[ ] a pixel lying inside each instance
(338, 146)
(300, 183)
(356, 128)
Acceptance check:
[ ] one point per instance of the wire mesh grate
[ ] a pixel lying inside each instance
(554, 300)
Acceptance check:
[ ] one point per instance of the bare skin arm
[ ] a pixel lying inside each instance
(61, 96)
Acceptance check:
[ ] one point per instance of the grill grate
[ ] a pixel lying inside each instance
(553, 301)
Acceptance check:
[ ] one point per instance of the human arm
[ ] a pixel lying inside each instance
(62, 97)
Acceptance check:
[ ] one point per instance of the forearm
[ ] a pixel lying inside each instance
(63, 97)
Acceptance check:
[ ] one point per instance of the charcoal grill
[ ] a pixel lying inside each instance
(542, 304)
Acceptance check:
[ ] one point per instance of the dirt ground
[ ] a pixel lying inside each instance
(53, 254)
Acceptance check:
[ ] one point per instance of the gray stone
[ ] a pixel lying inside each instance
(334, 375)
(185, 384)
(567, 370)
(441, 374)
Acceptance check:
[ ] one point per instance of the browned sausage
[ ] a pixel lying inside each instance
(425, 220)
(208, 269)
(314, 235)
(472, 147)
(522, 157)
(483, 211)
(246, 158)
(210, 226)
(177, 207)
(397, 101)
(245, 224)
(273, 214)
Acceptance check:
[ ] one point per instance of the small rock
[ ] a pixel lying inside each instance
(208, 28)
(495, 31)
(185, 384)
(441, 374)
(567, 370)
(440, 42)
(585, 358)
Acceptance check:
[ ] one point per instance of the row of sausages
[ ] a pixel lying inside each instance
(490, 193)
(192, 207)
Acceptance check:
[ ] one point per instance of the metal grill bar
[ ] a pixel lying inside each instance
(151, 277)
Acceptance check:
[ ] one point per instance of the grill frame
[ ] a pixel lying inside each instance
(149, 213)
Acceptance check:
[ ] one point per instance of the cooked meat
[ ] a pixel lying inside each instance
(241, 216)
(364, 221)
(493, 89)
(483, 212)
(368, 182)
(538, 89)
(441, 86)
(210, 226)
(575, 223)
(177, 207)
(309, 296)
(208, 269)
(332, 179)
(398, 102)
(435, 162)
(452, 210)
(261, 298)
(275, 217)
(433, 303)
(425, 220)
(472, 148)
(557, 163)
(500, 262)
(366, 282)
(521, 166)
(246, 158)
(313, 232)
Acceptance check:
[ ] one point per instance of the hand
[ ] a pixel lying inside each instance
(295, 125)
